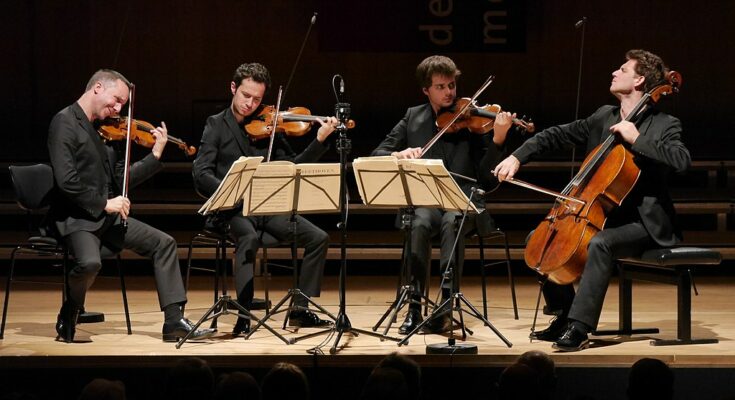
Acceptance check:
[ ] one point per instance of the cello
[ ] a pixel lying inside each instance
(557, 248)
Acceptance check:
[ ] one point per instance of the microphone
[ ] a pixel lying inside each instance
(341, 86)
(313, 18)
(479, 191)
(580, 22)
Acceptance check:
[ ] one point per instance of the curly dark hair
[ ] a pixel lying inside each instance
(435, 65)
(648, 65)
(255, 71)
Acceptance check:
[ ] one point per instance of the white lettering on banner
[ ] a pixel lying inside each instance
(439, 9)
(440, 35)
(491, 28)
(495, 22)
(439, 40)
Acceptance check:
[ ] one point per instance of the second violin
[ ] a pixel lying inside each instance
(294, 122)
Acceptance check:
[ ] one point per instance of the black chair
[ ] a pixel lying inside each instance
(482, 238)
(34, 189)
(672, 266)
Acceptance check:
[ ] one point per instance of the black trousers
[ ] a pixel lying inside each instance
(603, 250)
(427, 223)
(246, 233)
(89, 247)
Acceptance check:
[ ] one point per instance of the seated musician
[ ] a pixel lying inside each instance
(87, 215)
(644, 220)
(224, 141)
(463, 153)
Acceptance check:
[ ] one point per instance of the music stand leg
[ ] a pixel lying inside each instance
(455, 299)
(220, 308)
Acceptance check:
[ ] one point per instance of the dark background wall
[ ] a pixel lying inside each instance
(181, 54)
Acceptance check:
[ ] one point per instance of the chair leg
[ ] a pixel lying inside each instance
(266, 279)
(511, 280)
(7, 291)
(482, 276)
(538, 303)
(124, 291)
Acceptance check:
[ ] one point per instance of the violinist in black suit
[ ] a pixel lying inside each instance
(224, 141)
(646, 217)
(89, 208)
(463, 153)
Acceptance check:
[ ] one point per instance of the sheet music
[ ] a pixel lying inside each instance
(272, 188)
(318, 187)
(230, 190)
(380, 181)
(282, 187)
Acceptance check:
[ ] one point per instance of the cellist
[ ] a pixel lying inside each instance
(644, 220)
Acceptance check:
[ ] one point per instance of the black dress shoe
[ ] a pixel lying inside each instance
(573, 339)
(441, 323)
(90, 317)
(174, 331)
(306, 319)
(413, 319)
(260, 304)
(66, 322)
(242, 327)
(553, 332)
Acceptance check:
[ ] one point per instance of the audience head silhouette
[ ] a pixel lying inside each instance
(190, 377)
(650, 379)
(409, 368)
(518, 381)
(237, 386)
(103, 389)
(285, 381)
(544, 367)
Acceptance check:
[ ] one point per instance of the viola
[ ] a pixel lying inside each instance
(477, 119)
(140, 133)
(296, 121)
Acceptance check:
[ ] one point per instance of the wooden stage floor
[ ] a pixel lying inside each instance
(29, 336)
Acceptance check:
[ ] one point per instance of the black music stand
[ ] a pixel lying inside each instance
(310, 188)
(389, 182)
(451, 192)
(227, 196)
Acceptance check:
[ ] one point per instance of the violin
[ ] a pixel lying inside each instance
(476, 119)
(140, 132)
(294, 122)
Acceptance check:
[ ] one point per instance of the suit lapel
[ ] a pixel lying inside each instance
(93, 135)
(236, 132)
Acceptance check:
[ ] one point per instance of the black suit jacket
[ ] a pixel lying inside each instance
(463, 152)
(86, 172)
(658, 151)
(224, 141)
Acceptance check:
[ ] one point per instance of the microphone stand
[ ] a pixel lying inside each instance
(583, 24)
(342, 325)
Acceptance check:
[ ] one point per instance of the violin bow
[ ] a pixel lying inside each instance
(126, 172)
(439, 134)
(282, 93)
(275, 123)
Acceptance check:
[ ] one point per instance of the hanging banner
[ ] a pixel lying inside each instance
(422, 25)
